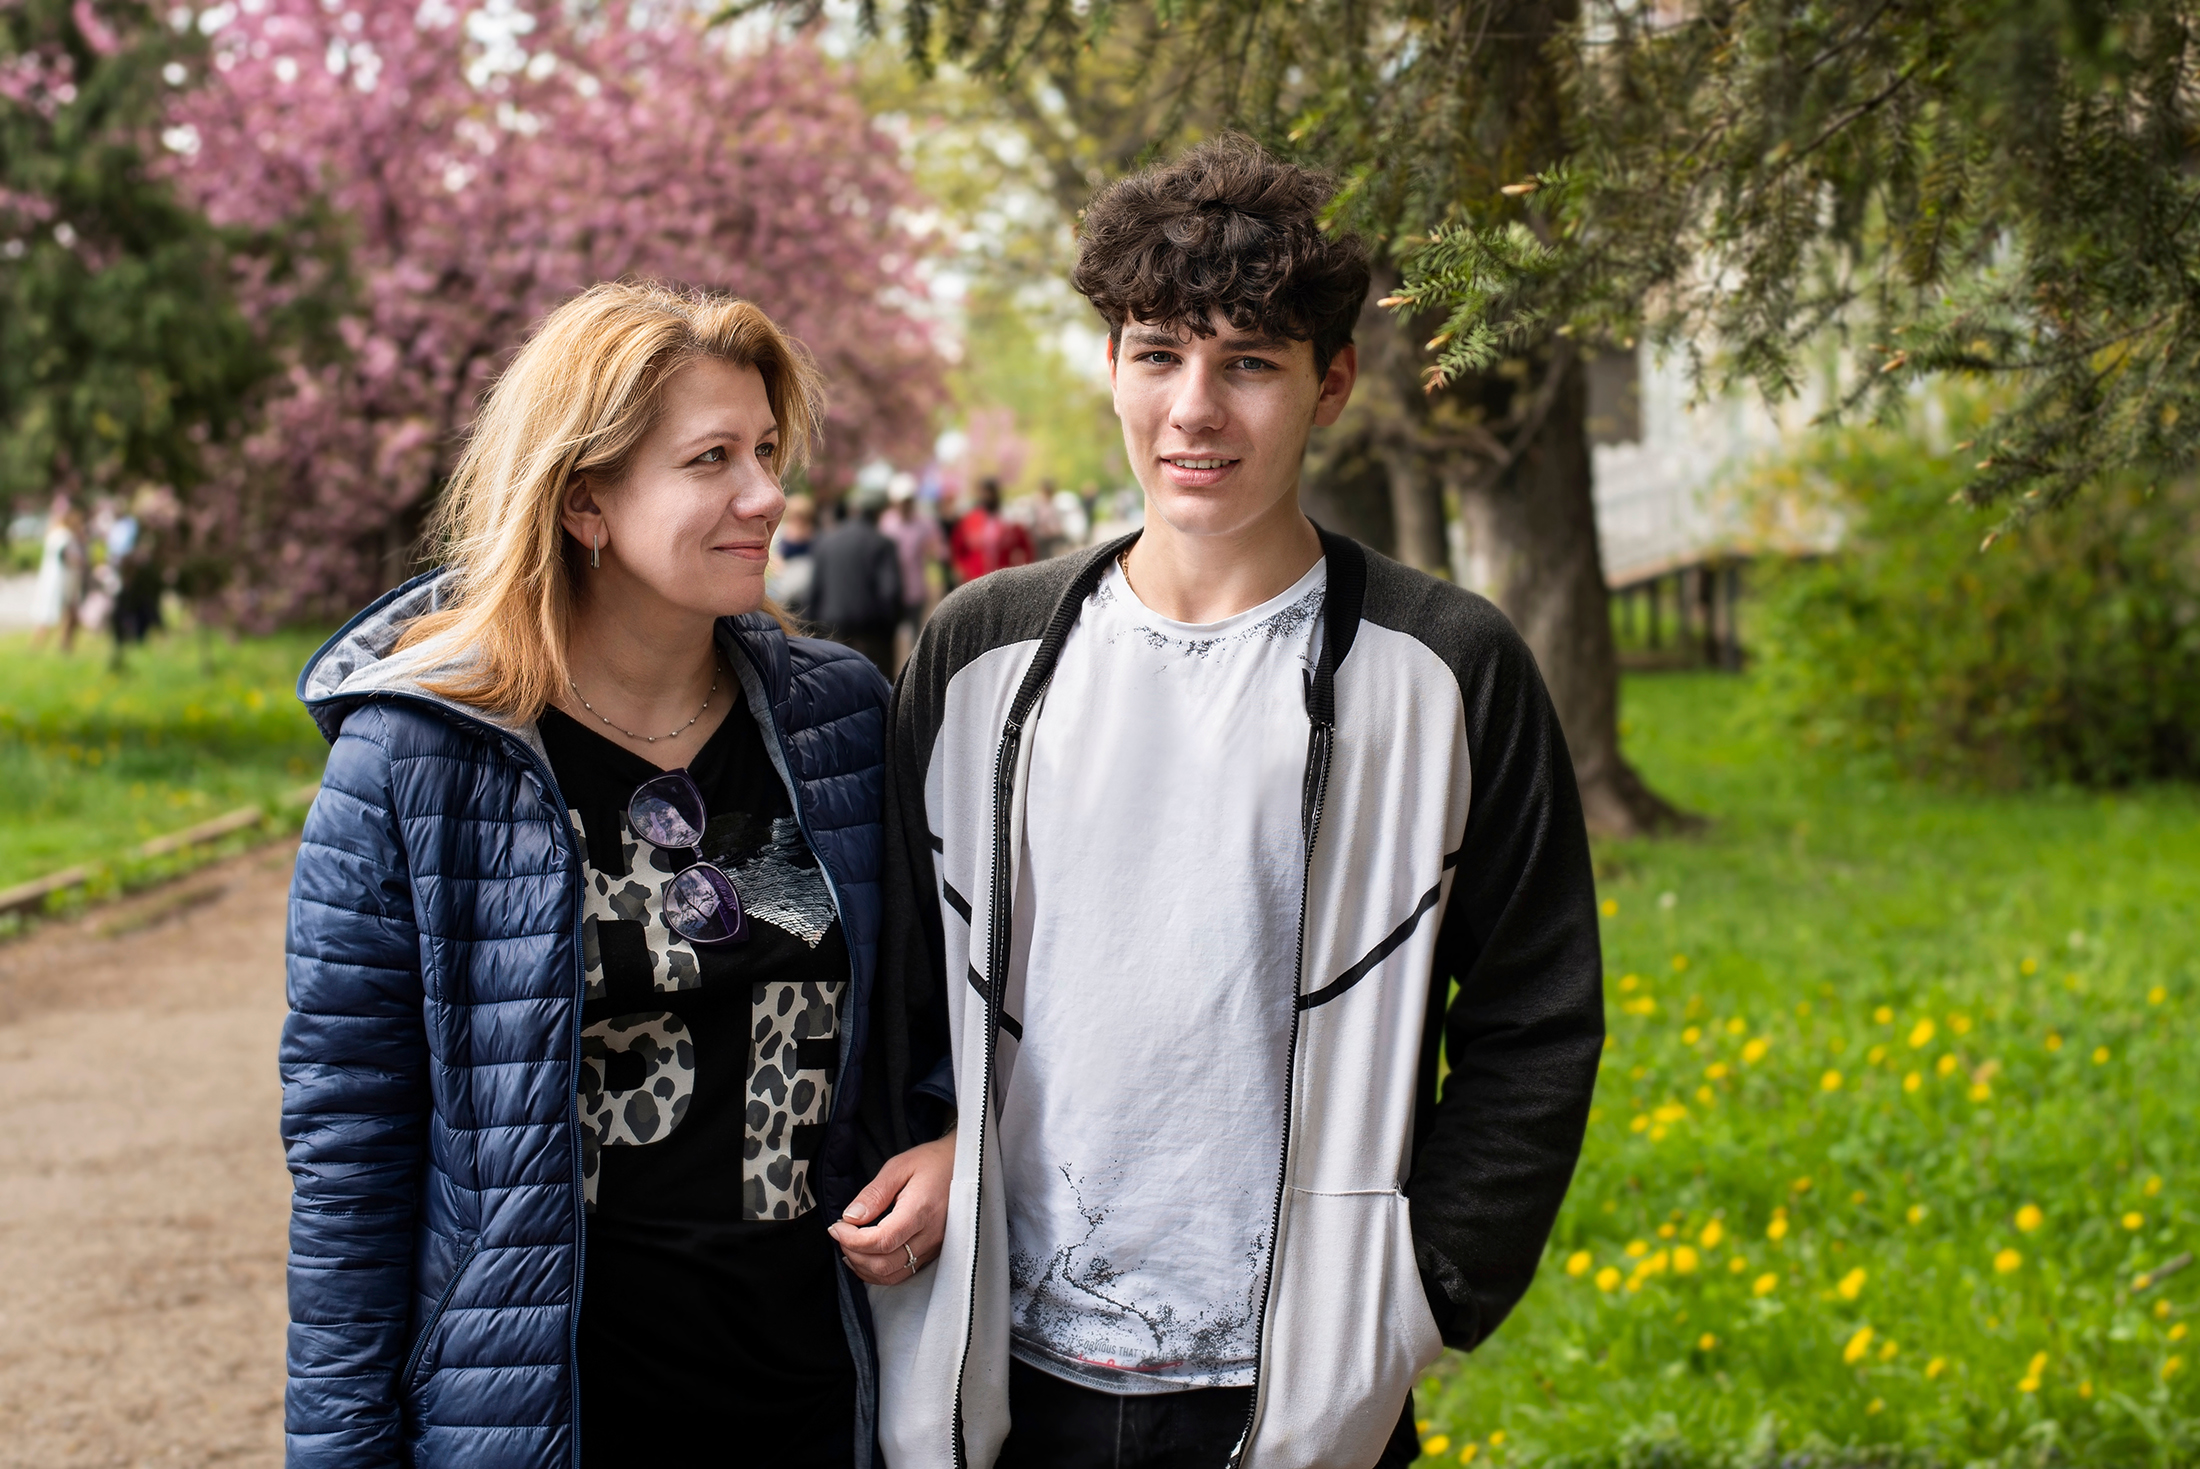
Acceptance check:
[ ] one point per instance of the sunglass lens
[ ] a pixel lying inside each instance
(702, 906)
(666, 813)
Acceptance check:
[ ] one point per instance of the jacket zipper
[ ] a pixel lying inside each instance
(1318, 744)
(1004, 779)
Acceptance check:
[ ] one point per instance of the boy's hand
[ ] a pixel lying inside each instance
(901, 1215)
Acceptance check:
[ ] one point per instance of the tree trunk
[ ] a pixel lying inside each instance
(1532, 549)
(1417, 508)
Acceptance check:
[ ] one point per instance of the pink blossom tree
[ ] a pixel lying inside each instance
(482, 166)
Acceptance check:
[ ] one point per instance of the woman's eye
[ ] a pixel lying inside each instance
(766, 451)
(711, 456)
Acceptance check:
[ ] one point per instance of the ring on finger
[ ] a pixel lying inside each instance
(910, 1251)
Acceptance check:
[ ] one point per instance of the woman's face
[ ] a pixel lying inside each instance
(690, 526)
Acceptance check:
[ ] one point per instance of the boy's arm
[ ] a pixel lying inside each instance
(1523, 1035)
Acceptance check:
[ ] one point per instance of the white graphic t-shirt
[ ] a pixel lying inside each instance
(1156, 932)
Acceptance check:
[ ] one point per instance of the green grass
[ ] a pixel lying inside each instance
(1865, 1038)
(93, 762)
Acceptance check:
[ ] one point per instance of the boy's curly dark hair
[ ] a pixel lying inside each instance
(1230, 230)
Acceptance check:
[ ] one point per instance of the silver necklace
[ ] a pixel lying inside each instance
(650, 739)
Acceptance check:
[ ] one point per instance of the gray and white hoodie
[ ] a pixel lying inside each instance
(1444, 843)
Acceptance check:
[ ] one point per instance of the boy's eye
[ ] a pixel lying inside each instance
(1253, 363)
(1157, 358)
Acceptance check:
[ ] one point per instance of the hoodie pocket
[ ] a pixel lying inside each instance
(1350, 1334)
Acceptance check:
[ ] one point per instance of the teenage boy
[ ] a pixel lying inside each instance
(1190, 838)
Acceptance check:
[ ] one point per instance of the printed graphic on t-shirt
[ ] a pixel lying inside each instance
(638, 1069)
(1079, 1308)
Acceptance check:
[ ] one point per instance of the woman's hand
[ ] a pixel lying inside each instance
(901, 1215)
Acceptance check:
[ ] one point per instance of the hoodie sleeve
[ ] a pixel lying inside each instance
(354, 1064)
(1523, 1035)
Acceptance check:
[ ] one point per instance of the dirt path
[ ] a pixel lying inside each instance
(143, 1199)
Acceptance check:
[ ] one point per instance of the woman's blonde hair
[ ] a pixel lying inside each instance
(576, 402)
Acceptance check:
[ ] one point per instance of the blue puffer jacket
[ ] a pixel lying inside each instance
(430, 1058)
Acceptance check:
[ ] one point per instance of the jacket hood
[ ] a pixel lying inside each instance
(360, 663)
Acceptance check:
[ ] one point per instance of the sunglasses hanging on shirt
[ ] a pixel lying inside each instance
(701, 904)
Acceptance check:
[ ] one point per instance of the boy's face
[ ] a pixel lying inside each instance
(1216, 426)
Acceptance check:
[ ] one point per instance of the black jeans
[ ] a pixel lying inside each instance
(1060, 1425)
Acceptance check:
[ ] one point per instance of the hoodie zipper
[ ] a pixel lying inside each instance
(1320, 740)
(1004, 780)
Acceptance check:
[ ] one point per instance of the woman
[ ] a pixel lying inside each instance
(581, 948)
(60, 590)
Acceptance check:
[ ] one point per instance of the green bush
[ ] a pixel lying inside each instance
(2068, 651)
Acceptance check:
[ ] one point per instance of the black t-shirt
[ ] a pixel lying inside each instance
(710, 1323)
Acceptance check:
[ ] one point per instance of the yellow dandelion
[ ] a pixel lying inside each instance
(2054, 1041)
(1754, 1050)
(2172, 1367)
(1946, 1066)
(1684, 1260)
(2085, 1388)
(1876, 1055)
(1610, 907)
(2178, 1332)
(1706, 1342)
(2006, 1261)
(1876, 1405)
(1912, 1082)
(2037, 1366)
(1801, 1186)
(1981, 1091)
(1640, 1122)
(1960, 1024)
(1858, 1345)
(1440, 1444)
(1706, 1095)
(2154, 1186)
(1884, 1015)
(1717, 1070)
(1852, 1284)
(1608, 1279)
(2030, 1218)
(2030, 965)
(1680, 962)
(2028, 1384)
(1711, 1234)
(1830, 1082)
(1934, 1368)
(1497, 1439)
(2100, 1055)
(1737, 1026)
(1737, 1265)
(1667, 1231)
(2157, 995)
(1578, 1263)
(2161, 1310)
(1765, 1284)
(2134, 1220)
(1628, 982)
(1916, 1213)
(1922, 1033)
(1887, 1351)
(1466, 1455)
(1777, 1229)
(1637, 1248)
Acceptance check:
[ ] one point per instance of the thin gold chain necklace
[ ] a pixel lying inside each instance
(649, 739)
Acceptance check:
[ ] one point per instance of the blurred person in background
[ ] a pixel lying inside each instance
(133, 555)
(61, 575)
(787, 582)
(1045, 521)
(856, 581)
(921, 545)
(1073, 517)
(983, 542)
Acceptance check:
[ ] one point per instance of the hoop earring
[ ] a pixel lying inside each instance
(595, 550)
